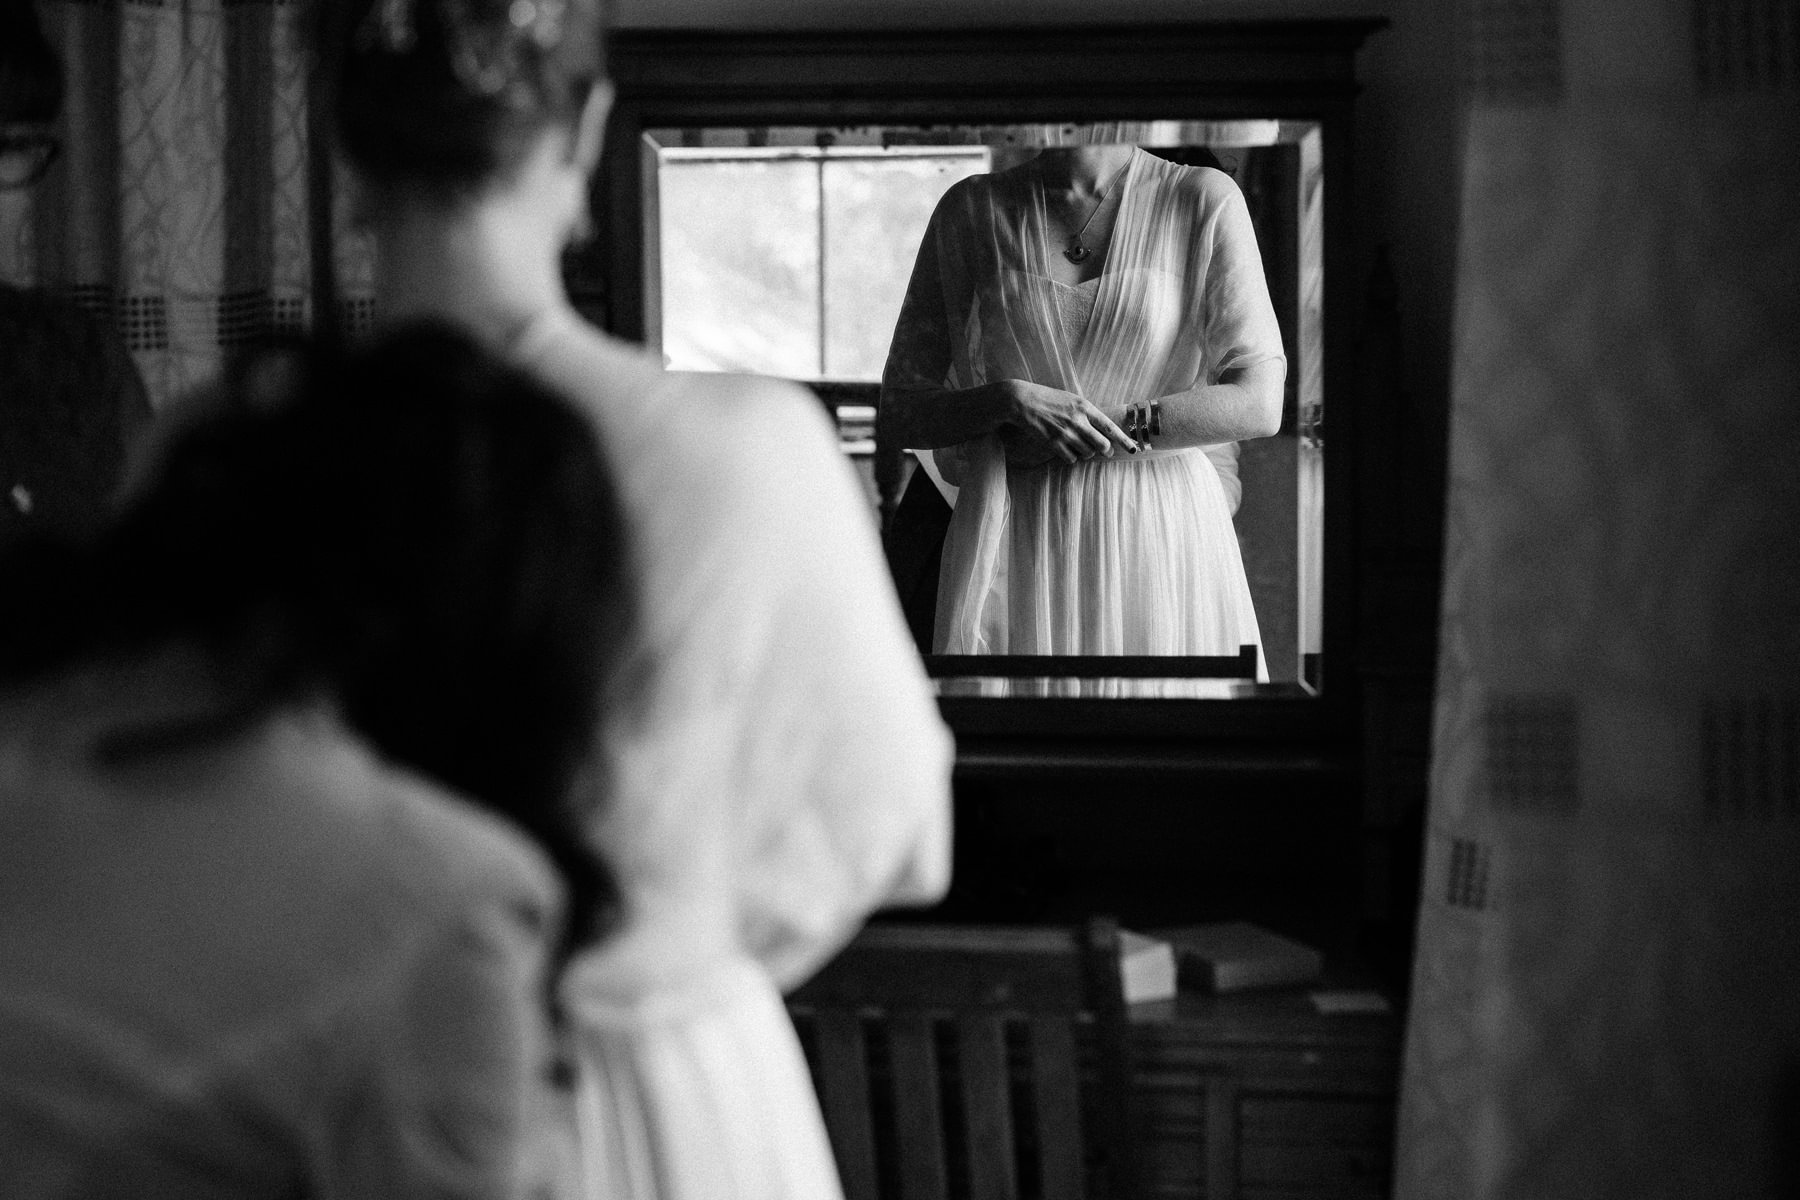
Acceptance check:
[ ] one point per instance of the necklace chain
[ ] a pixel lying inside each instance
(1076, 252)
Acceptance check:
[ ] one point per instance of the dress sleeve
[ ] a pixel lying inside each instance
(919, 357)
(1240, 328)
(849, 763)
(464, 1103)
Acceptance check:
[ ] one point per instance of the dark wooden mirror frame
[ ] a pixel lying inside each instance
(1301, 70)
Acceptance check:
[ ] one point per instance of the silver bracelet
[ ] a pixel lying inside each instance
(1141, 423)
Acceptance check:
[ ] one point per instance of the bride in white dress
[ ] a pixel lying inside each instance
(779, 770)
(1046, 300)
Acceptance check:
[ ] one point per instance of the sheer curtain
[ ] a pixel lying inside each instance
(179, 208)
(1606, 993)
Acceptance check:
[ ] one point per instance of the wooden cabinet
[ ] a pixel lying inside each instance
(1260, 1096)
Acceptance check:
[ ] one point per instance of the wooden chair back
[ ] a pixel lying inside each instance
(981, 1062)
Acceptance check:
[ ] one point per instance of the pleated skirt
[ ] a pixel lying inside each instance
(1129, 555)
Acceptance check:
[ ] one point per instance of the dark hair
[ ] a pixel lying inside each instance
(450, 94)
(31, 77)
(424, 534)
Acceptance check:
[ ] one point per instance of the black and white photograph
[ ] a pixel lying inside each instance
(750, 600)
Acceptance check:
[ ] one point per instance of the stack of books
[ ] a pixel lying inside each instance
(1228, 956)
(1146, 967)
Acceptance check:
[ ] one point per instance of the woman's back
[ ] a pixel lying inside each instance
(783, 769)
(231, 965)
(781, 775)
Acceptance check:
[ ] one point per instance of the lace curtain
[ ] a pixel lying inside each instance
(1606, 992)
(179, 206)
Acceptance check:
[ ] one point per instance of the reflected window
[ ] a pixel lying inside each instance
(792, 261)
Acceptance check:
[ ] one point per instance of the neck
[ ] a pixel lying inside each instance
(1083, 168)
(477, 266)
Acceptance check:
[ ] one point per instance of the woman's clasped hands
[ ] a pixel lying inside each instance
(1046, 423)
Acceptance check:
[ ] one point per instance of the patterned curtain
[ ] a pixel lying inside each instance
(1606, 993)
(179, 207)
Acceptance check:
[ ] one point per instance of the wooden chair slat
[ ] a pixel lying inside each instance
(906, 980)
(1056, 1081)
(987, 1107)
(918, 1117)
(1115, 1120)
(843, 1072)
(1002, 969)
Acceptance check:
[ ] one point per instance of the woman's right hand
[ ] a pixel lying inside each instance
(1046, 422)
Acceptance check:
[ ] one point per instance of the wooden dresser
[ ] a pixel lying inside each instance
(1259, 1095)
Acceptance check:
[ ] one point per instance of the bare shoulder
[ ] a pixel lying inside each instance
(763, 410)
(710, 450)
(633, 397)
(593, 370)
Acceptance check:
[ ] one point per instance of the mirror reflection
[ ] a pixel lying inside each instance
(1091, 352)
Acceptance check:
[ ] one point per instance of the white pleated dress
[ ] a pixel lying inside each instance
(1135, 554)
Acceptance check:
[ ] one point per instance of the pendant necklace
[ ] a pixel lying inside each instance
(1078, 253)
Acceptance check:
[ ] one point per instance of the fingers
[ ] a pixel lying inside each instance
(1069, 427)
(1090, 434)
(1108, 431)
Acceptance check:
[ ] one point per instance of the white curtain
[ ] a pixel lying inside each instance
(1606, 993)
(179, 206)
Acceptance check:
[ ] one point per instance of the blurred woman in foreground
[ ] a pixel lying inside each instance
(254, 947)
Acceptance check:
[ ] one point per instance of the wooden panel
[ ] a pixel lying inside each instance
(1056, 1079)
(987, 1107)
(1221, 1138)
(1324, 1146)
(918, 1117)
(843, 1075)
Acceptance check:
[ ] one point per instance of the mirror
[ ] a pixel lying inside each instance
(788, 250)
(1274, 98)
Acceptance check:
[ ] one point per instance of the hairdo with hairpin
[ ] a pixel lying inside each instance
(448, 93)
(486, 48)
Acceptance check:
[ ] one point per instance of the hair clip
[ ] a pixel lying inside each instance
(388, 27)
(541, 20)
(483, 45)
(485, 54)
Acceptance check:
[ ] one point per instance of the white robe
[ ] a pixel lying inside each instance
(783, 773)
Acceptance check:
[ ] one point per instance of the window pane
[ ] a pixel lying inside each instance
(875, 213)
(740, 266)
